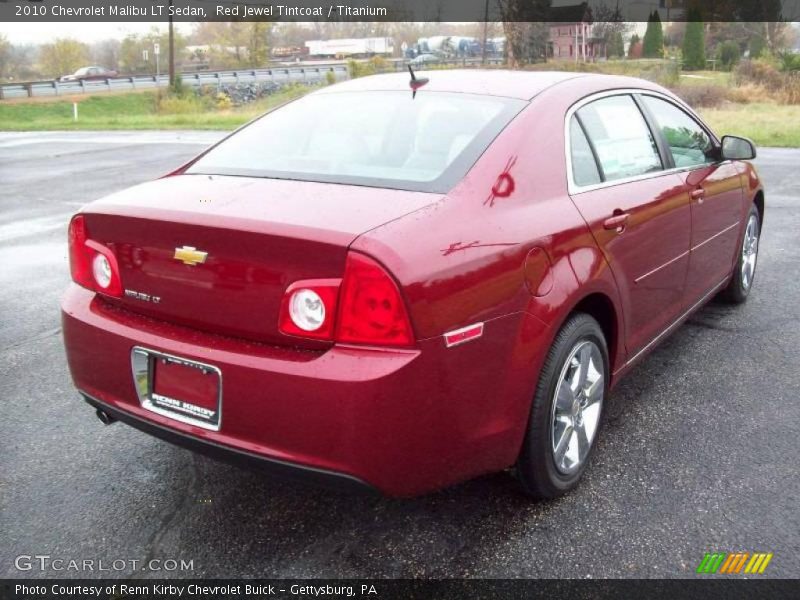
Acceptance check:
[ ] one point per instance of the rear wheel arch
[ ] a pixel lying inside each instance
(602, 309)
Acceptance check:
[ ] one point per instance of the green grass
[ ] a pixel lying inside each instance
(132, 111)
(766, 124)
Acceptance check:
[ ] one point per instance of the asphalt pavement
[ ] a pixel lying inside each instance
(698, 452)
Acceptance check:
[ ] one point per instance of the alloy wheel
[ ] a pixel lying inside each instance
(749, 251)
(577, 405)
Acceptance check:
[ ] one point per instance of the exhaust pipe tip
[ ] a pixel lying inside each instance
(105, 418)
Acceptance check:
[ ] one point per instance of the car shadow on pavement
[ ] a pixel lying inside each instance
(288, 529)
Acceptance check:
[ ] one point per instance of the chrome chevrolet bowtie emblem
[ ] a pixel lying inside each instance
(189, 255)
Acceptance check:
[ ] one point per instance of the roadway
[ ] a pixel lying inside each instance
(698, 452)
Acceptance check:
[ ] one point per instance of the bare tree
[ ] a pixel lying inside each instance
(5, 56)
(527, 33)
(608, 24)
(106, 53)
(22, 61)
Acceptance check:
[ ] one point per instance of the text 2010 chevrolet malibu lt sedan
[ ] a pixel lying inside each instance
(403, 291)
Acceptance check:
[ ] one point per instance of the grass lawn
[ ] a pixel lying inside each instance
(131, 111)
(766, 124)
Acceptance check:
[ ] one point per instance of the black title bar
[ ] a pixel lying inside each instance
(389, 589)
(397, 10)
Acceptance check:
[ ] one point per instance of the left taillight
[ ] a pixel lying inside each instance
(92, 264)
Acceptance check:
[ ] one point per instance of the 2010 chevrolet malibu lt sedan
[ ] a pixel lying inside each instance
(400, 287)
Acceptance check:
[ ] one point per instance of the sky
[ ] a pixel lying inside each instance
(36, 33)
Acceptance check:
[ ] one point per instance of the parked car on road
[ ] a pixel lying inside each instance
(424, 59)
(89, 74)
(429, 287)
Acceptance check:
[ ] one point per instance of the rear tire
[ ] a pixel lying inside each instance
(567, 410)
(743, 273)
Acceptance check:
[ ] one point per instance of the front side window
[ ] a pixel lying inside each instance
(687, 140)
(621, 138)
(373, 138)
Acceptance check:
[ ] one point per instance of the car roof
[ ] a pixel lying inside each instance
(523, 85)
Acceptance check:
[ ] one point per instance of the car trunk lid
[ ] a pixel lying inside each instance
(217, 253)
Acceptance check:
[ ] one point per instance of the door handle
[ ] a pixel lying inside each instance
(618, 221)
(697, 194)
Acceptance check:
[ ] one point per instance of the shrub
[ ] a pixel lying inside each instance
(378, 64)
(728, 54)
(783, 87)
(789, 61)
(330, 78)
(176, 86)
(790, 92)
(223, 101)
(760, 71)
(359, 69)
(747, 93)
(635, 47)
(757, 46)
(177, 105)
(667, 74)
(702, 95)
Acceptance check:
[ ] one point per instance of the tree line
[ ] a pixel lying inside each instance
(212, 45)
(230, 45)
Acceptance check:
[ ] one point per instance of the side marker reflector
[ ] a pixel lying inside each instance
(465, 334)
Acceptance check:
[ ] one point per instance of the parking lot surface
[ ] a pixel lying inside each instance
(698, 452)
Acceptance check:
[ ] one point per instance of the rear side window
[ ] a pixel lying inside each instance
(687, 140)
(621, 138)
(584, 166)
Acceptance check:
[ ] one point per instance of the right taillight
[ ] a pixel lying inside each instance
(371, 309)
(309, 309)
(364, 307)
(92, 264)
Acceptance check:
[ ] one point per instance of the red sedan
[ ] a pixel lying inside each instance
(90, 74)
(399, 289)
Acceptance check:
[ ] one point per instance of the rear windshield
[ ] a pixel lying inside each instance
(380, 139)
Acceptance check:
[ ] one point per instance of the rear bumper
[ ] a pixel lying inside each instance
(281, 469)
(403, 422)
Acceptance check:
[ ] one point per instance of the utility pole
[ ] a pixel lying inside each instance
(171, 49)
(485, 31)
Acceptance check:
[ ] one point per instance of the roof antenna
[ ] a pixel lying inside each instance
(415, 83)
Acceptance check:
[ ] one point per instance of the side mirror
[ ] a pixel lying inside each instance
(737, 148)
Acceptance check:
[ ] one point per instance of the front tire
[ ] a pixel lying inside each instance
(567, 410)
(742, 280)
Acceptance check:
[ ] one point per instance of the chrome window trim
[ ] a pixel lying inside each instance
(574, 189)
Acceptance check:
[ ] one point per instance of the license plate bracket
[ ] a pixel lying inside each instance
(178, 388)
